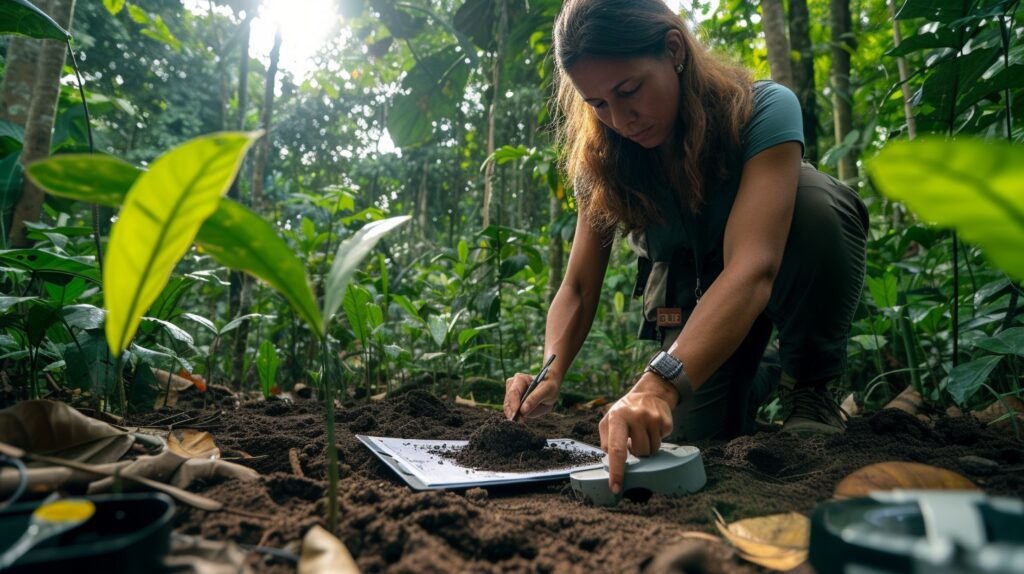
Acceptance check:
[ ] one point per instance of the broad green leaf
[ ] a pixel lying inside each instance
(467, 335)
(145, 388)
(234, 323)
(513, 265)
(1008, 342)
(39, 318)
(90, 366)
(951, 79)
(91, 178)
(58, 269)
(114, 6)
(438, 328)
(374, 316)
(23, 18)
(941, 37)
(475, 19)
(434, 86)
(883, 290)
(970, 185)
(238, 238)
(201, 320)
(166, 304)
(10, 181)
(355, 303)
(85, 317)
(463, 249)
(349, 255)
(8, 302)
(266, 367)
(176, 332)
(235, 236)
(404, 303)
(945, 11)
(870, 342)
(967, 378)
(12, 137)
(161, 216)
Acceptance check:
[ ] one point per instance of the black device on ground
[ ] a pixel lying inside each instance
(919, 531)
(127, 533)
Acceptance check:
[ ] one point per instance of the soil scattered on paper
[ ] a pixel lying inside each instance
(543, 527)
(505, 446)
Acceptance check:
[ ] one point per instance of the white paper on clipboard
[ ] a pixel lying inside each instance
(422, 469)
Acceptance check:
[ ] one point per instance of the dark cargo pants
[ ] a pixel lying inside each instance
(813, 301)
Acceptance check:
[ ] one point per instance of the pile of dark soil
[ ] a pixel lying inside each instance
(504, 446)
(543, 527)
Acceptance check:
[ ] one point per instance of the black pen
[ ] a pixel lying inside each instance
(533, 384)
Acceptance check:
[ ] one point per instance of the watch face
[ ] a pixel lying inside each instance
(666, 365)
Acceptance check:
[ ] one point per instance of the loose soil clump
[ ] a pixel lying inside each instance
(505, 446)
(543, 527)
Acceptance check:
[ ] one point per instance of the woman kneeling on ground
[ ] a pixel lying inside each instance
(701, 168)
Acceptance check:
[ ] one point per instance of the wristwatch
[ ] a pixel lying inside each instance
(673, 372)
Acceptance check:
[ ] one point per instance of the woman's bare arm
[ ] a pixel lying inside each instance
(569, 320)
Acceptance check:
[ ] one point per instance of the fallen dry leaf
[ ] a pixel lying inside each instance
(909, 401)
(698, 535)
(322, 553)
(997, 415)
(778, 541)
(191, 443)
(56, 429)
(850, 405)
(904, 475)
(168, 397)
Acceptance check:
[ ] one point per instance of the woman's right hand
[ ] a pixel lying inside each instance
(540, 401)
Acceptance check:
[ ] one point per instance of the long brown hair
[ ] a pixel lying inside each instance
(613, 175)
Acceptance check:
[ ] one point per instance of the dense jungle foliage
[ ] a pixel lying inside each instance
(438, 110)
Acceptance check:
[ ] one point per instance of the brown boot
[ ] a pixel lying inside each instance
(809, 409)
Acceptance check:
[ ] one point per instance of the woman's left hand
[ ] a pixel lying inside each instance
(636, 423)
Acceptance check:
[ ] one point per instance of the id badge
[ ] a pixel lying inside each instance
(670, 317)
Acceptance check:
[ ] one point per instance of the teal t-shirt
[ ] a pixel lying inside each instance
(775, 119)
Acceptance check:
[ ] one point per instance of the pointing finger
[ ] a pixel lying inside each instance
(618, 434)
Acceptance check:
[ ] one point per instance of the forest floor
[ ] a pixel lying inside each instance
(388, 527)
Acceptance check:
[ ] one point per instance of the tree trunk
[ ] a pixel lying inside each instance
(39, 124)
(901, 65)
(774, 22)
(842, 99)
(261, 161)
(492, 113)
(19, 77)
(803, 74)
(237, 291)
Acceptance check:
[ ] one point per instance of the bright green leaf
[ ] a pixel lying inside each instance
(438, 328)
(349, 255)
(114, 6)
(161, 216)
(23, 18)
(238, 238)
(883, 290)
(52, 267)
(91, 178)
(970, 185)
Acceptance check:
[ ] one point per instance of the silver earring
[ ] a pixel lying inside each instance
(679, 68)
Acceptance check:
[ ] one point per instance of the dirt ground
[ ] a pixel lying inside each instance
(543, 527)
